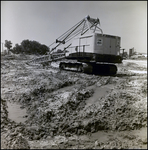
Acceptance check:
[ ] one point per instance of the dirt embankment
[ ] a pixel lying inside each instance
(73, 110)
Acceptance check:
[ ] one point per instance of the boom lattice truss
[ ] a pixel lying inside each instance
(87, 24)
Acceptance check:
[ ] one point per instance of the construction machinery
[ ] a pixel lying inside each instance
(87, 49)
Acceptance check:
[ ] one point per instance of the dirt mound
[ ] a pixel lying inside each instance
(66, 113)
(57, 111)
(117, 111)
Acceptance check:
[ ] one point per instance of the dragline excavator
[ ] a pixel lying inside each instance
(88, 50)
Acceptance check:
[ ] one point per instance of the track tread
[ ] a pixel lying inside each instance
(91, 68)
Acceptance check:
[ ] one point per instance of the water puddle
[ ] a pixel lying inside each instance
(16, 113)
(99, 92)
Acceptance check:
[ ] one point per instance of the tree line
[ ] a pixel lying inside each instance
(27, 47)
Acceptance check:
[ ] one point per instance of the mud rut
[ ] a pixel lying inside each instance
(68, 110)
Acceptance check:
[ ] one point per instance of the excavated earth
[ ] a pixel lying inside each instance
(43, 107)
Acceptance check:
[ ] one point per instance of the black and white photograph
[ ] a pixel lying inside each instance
(73, 74)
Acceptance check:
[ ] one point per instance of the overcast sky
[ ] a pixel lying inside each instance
(44, 21)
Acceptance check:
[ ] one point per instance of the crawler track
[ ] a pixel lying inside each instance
(91, 68)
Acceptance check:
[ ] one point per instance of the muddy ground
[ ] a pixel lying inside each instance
(43, 107)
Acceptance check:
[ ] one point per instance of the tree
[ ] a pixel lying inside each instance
(31, 47)
(17, 49)
(43, 49)
(8, 44)
(26, 46)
